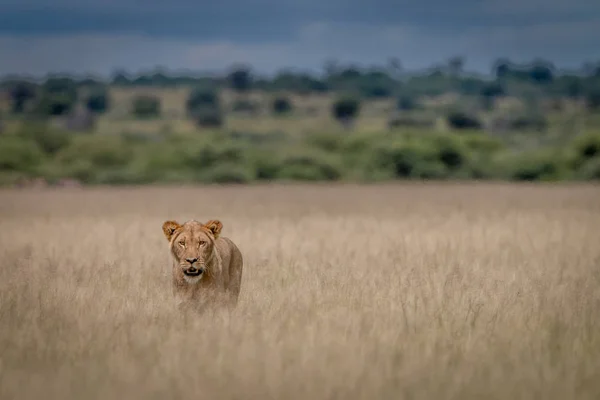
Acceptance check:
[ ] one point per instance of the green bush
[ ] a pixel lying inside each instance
(481, 144)
(281, 105)
(49, 139)
(227, 173)
(406, 159)
(58, 96)
(450, 151)
(19, 154)
(538, 165)
(208, 153)
(21, 94)
(463, 120)
(346, 108)
(587, 146)
(266, 167)
(306, 165)
(146, 106)
(201, 98)
(99, 150)
(98, 100)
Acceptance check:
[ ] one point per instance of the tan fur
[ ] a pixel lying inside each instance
(194, 247)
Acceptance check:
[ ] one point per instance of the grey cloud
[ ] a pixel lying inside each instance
(567, 43)
(89, 35)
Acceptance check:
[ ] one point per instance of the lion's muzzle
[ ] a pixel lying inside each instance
(193, 271)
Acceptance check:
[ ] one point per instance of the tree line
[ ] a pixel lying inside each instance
(55, 93)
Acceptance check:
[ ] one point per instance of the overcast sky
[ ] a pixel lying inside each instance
(39, 36)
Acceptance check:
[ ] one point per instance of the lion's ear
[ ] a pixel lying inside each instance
(214, 226)
(169, 228)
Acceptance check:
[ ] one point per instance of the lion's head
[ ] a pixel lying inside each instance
(192, 245)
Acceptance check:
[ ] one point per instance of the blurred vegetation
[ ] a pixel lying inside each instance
(522, 122)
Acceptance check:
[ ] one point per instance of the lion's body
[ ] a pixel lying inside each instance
(199, 247)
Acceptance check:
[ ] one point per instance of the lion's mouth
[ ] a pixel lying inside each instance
(193, 272)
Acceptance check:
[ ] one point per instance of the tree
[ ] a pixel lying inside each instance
(542, 72)
(21, 93)
(59, 95)
(201, 98)
(204, 106)
(281, 105)
(346, 108)
(240, 78)
(98, 100)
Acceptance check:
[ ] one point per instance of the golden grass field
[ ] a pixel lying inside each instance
(412, 291)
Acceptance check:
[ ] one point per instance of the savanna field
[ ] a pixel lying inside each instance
(403, 291)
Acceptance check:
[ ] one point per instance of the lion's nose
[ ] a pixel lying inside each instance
(191, 260)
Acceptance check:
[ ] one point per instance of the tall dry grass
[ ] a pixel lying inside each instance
(414, 291)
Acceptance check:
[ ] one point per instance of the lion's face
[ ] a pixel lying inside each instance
(192, 245)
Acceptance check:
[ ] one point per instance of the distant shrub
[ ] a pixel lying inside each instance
(146, 106)
(310, 166)
(482, 144)
(588, 146)
(204, 107)
(21, 94)
(583, 149)
(98, 150)
(407, 159)
(58, 96)
(266, 166)
(281, 105)
(463, 120)
(228, 173)
(54, 104)
(49, 139)
(346, 108)
(406, 103)
(19, 154)
(98, 100)
(240, 78)
(208, 117)
(200, 98)
(536, 165)
(450, 151)
(208, 153)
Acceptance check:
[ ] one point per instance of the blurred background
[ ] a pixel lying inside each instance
(132, 92)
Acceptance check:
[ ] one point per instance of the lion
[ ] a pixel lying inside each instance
(207, 267)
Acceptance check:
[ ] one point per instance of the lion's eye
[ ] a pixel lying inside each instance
(202, 243)
(182, 243)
